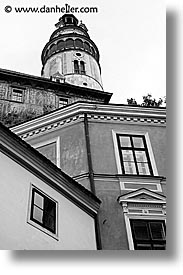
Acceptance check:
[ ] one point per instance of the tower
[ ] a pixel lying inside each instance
(71, 56)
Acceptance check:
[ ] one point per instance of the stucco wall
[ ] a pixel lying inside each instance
(111, 216)
(102, 146)
(75, 227)
(63, 63)
(73, 157)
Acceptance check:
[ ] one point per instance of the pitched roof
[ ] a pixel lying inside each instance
(36, 163)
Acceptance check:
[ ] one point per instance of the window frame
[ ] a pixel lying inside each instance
(79, 67)
(76, 67)
(134, 149)
(150, 241)
(33, 206)
(15, 99)
(149, 148)
(35, 223)
(129, 217)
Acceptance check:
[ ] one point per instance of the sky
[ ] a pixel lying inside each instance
(130, 36)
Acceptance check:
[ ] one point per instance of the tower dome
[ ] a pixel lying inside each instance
(71, 55)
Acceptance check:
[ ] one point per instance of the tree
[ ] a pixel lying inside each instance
(131, 101)
(148, 101)
(151, 102)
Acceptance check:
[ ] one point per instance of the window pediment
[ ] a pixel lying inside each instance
(142, 195)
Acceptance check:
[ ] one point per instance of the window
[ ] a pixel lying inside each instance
(78, 43)
(69, 43)
(60, 45)
(79, 67)
(82, 67)
(43, 211)
(62, 102)
(134, 155)
(148, 234)
(17, 95)
(76, 67)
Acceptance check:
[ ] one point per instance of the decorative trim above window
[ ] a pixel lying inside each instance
(134, 155)
(132, 183)
(145, 207)
(42, 212)
(50, 149)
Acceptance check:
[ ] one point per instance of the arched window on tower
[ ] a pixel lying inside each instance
(79, 43)
(76, 67)
(60, 45)
(69, 43)
(86, 46)
(82, 67)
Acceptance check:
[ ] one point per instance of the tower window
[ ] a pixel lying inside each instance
(52, 49)
(68, 20)
(134, 155)
(78, 43)
(82, 67)
(69, 43)
(76, 67)
(86, 46)
(79, 67)
(43, 211)
(148, 234)
(60, 45)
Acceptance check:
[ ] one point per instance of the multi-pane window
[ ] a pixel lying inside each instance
(43, 210)
(134, 154)
(79, 67)
(17, 95)
(148, 234)
(62, 102)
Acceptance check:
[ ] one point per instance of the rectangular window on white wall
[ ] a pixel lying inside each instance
(43, 212)
(134, 154)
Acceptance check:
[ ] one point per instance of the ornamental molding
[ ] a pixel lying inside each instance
(143, 202)
(96, 112)
(51, 127)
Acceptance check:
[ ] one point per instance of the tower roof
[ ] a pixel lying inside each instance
(69, 27)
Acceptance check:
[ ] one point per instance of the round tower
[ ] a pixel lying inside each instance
(71, 56)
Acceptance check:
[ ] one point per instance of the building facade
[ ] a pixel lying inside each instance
(116, 152)
(41, 207)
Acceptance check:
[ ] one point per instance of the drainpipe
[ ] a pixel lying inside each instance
(91, 178)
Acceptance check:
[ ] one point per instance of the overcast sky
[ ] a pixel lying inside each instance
(130, 35)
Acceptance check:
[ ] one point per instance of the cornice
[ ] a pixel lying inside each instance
(95, 112)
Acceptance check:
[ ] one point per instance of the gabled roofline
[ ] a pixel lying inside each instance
(28, 157)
